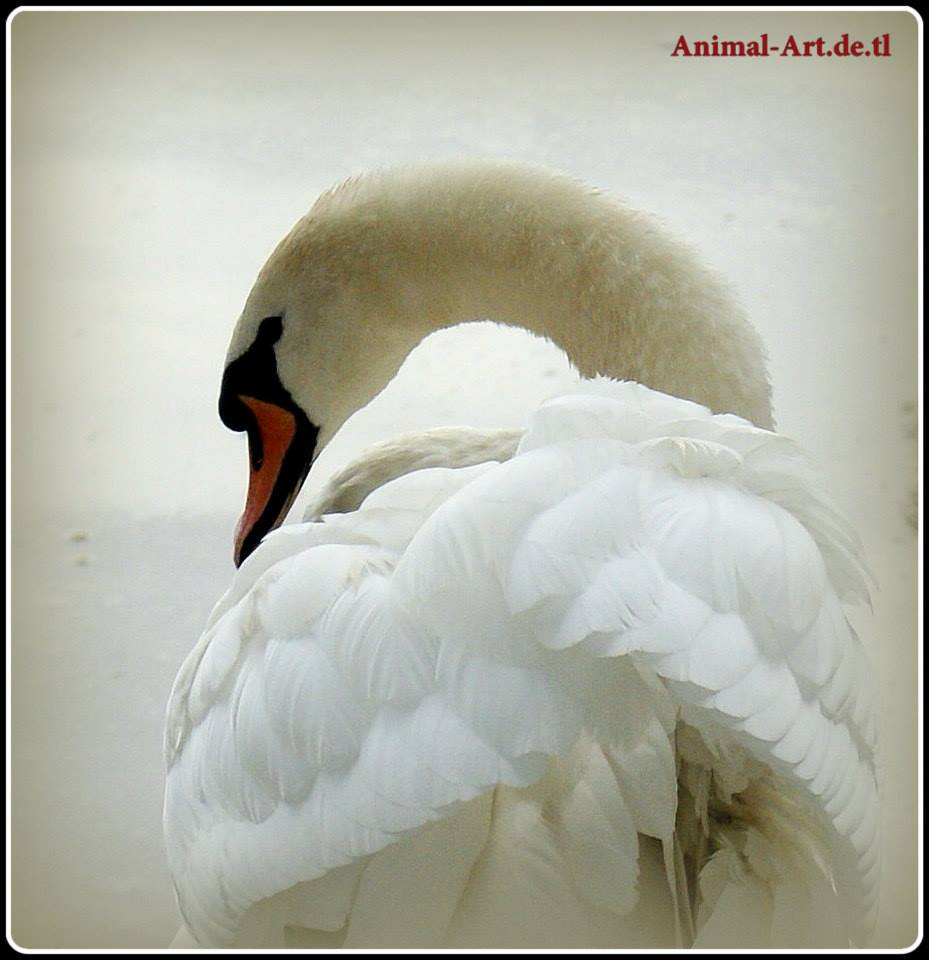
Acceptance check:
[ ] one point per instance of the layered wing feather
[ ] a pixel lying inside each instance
(378, 671)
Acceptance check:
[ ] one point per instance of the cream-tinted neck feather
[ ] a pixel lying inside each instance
(383, 260)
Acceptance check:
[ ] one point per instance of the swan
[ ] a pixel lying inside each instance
(586, 684)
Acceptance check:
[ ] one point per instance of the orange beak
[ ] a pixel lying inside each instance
(281, 438)
(276, 428)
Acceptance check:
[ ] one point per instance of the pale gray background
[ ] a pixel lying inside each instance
(157, 159)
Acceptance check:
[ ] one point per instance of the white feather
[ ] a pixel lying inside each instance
(381, 671)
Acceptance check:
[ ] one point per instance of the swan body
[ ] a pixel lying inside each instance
(587, 685)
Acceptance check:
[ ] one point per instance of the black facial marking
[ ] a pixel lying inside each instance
(254, 374)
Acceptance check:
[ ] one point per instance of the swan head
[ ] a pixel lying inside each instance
(315, 342)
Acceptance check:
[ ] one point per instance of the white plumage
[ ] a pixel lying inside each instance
(375, 672)
(601, 694)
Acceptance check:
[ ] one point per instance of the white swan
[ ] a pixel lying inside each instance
(603, 694)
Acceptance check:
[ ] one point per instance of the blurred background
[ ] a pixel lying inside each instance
(157, 158)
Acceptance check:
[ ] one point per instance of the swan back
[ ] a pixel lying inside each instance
(636, 561)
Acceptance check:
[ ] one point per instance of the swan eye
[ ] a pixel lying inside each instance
(270, 330)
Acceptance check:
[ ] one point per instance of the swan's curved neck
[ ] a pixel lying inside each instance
(381, 262)
(602, 282)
